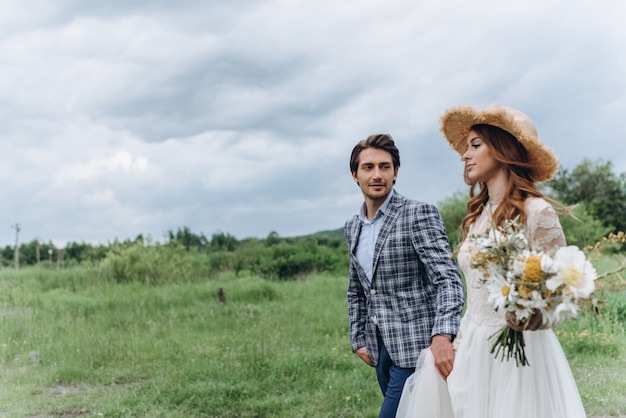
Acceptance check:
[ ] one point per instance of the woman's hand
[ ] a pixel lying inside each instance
(531, 324)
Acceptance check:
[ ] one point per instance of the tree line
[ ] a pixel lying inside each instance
(596, 194)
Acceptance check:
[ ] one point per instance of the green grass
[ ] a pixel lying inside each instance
(74, 345)
(596, 347)
(71, 346)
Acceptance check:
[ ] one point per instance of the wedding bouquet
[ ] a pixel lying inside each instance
(523, 281)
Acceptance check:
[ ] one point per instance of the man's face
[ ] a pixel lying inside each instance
(375, 173)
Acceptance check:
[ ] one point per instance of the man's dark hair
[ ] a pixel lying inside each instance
(379, 141)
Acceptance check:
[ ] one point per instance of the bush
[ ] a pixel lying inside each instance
(285, 259)
(145, 264)
(290, 261)
(453, 210)
(581, 228)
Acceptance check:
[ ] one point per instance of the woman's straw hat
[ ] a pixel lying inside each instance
(458, 121)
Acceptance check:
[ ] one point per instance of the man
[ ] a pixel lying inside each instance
(405, 293)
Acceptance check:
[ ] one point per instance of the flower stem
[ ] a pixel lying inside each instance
(509, 343)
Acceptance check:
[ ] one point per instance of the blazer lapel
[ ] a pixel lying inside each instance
(355, 231)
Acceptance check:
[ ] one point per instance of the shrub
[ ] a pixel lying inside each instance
(453, 210)
(145, 264)
(581, 228)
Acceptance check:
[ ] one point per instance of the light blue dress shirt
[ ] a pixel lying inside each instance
(368, 236)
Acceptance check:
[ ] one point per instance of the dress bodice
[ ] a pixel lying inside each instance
(545, 233)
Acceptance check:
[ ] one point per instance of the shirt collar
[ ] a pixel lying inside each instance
(381, 210)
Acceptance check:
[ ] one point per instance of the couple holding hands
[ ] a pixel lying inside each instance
(405, 294)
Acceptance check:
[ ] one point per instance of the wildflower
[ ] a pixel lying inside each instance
(499, 292)
(532, 270)
(572, 269)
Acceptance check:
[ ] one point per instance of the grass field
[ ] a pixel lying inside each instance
(75, 346)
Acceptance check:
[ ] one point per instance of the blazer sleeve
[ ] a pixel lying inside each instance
(431, 244)
(357, 304)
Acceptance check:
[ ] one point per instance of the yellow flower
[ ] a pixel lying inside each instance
(482, 260)
(478, 260)
(532, 270)
(506, 290)
(619, 237)
(524, 291)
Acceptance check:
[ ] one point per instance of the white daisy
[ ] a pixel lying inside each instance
(499, 292)
(572, 269)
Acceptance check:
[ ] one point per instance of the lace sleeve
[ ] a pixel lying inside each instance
(546, 234)
(545, 230)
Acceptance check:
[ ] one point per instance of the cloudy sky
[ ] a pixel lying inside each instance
(120, 118)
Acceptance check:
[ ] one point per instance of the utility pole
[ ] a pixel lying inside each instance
(17, 245)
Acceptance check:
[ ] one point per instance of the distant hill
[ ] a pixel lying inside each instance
(334, 233)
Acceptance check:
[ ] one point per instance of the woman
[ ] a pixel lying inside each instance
(504, 160)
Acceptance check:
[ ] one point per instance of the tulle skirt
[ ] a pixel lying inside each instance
(425, 393)
(482, 386)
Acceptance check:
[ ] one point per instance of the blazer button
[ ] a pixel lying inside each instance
(373, 291)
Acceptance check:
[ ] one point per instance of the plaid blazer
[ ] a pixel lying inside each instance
(416, 290)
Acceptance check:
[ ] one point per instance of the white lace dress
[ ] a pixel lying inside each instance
(481, 385)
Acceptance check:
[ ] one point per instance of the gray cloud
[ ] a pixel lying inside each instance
(126, 118)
